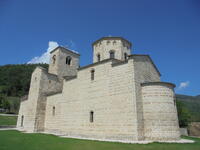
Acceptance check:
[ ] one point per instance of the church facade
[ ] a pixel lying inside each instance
(117, 97)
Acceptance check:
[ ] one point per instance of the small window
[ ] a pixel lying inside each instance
(91, 116)
(125, 56)
(53, 111)
(98, 57)
(68, 60)
(22, 121)
(92, 74)
(174, 101)
(112, 54)
(54, 59)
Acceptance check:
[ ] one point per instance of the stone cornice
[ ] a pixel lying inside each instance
(158, 83)
(111, 38)
(101, 62)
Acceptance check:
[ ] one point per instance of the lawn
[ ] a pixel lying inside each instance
(15, 140)
(8, 120)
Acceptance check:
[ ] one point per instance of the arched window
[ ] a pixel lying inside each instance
(68, 60)
(92, 74)
(125, 56)
(54, 111)
(91, 116)
(112, 54)
(54, 59)
(98, 57)
(22, 121)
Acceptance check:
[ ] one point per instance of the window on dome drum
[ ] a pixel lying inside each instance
(125, 56)
(54, 59)
(22, 121)
(53, 111)
(91, 116)
(92, 74)
(112, 54)
(98, 58)
(68, 60)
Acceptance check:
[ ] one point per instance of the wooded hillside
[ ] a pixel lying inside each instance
(14, 83)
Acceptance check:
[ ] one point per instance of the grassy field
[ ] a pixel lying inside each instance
(15, 140)
(8, 120)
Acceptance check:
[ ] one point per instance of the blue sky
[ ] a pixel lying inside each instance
(167, 30)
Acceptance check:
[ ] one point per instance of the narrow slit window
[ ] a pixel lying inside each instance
(53, 111)
(98, 58)
(125, 56)
(92, 74)
(91, 116)
(22, 121)
(174, 101)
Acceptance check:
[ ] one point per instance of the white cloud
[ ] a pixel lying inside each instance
(183, 85)
(44, 58)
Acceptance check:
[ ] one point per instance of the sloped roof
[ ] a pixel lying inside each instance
(64, 48)
(138, 55)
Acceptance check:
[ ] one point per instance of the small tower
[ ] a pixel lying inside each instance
(111, 47)
(63, 62)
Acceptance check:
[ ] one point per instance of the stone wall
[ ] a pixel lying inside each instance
(109, 96)
(184, 131)
(33, 109)
(28, 107)
(160, 114)
(144, 71)
(194, 129)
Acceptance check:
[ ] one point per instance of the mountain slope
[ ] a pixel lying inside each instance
(14, 83)
(193, 105)
(15, 79)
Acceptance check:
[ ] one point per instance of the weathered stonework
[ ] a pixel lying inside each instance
(123, 96)
(159, 111)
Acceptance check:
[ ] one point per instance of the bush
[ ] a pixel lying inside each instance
(184, 115)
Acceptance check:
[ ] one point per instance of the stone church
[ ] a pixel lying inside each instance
(117, 97)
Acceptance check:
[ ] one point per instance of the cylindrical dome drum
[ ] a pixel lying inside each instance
(159, 111)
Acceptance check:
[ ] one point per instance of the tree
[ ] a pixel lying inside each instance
(6, 105)
(2, 99)
(184, 115)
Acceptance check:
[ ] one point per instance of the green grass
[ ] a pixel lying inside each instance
(15, 140)
(8, 120)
